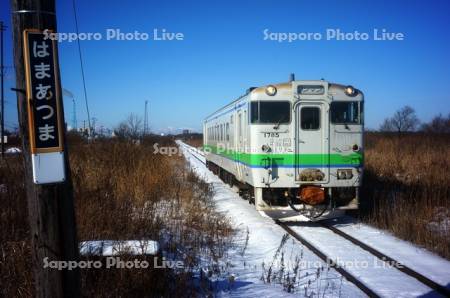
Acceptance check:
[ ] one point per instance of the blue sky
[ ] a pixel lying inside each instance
(224, 52)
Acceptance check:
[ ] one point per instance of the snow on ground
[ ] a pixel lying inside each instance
(416, 258)
(13, 150)
(264, 237)
(441, 222)
(109, 248)
(257, 242)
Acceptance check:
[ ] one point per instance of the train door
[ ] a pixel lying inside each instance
(312, 134)
(239, 145)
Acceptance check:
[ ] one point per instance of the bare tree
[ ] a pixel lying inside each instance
(131, 128)
(387, 125)
(439, 124)
(404, 120)
(135, 124)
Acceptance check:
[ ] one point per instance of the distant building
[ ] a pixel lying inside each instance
(186, 131)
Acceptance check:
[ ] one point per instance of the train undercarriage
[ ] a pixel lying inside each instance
(311, 201)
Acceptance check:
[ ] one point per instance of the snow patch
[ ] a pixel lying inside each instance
(107, 248)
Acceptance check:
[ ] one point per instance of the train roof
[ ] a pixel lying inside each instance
(286, 87)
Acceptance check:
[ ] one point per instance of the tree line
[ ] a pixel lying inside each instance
(406, 120)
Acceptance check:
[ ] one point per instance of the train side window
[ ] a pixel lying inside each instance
(310, 118)
(221, 132)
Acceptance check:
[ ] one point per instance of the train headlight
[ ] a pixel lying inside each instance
(271, 90)
(341, 174)
(350, 91)
(266, 148)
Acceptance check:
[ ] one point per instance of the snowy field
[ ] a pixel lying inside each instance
(265, 261)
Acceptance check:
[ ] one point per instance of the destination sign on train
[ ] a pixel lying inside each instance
(310, 90)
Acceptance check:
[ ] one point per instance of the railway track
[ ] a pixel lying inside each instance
(197, 154)
(350, 277)
(400, 266)
(445, 292)
(364, 286)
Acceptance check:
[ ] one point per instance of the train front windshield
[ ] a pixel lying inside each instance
(270, 112)
(346, 112)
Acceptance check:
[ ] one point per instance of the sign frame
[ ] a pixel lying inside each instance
(30, 99)
(48, 162)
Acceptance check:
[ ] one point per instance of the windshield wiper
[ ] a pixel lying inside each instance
(278, 123)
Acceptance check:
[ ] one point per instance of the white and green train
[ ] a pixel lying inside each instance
(291, 146)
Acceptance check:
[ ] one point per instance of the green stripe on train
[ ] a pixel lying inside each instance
(288, 158)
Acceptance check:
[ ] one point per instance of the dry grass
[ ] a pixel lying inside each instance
(15, 254)
(406, 187)
(122, 191)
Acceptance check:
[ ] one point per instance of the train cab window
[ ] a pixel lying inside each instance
(346, 112)
(310, 118)
(270, 112)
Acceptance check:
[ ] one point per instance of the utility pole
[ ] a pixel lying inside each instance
(92, 131)
(2, 68)
(50, 206)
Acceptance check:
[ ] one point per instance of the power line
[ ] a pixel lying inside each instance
(74, 114)
(82, 68)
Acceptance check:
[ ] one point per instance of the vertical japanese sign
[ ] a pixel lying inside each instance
(44, 108)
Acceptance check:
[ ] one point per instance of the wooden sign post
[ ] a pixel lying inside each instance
(46, 166)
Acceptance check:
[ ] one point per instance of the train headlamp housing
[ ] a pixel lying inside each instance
(343, 174)
(266, 148)
(350, 91)
(271, 90)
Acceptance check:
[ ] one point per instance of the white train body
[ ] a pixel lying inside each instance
(279, 139)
